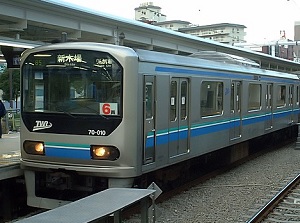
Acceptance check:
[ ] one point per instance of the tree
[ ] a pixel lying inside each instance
(5, 85)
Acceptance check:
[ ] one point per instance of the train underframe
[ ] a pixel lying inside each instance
(57, 187)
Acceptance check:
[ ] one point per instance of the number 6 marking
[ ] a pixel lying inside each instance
(106, 109)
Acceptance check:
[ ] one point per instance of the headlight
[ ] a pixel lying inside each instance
(34, 147)
(104, 152)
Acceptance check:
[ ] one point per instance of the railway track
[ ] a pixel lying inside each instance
(283, 207)
(132, 215)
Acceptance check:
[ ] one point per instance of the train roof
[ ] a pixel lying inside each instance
(110, 48)
(163, 58)
(224, 58)
(187, 61)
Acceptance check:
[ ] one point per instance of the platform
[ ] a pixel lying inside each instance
(10, 156)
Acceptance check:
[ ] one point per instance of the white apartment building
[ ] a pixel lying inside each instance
(228, 33)
(173, 24)
(149, 13)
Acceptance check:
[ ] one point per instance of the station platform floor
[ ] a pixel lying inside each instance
(10, 155)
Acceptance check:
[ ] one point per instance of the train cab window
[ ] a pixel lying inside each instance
(173, 101)
(281, 96)
(72, 81)
(211, 98)
(254, 102)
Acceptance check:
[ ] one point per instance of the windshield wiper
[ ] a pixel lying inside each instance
(69, 114)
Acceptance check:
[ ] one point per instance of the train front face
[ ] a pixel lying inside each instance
(73, 135)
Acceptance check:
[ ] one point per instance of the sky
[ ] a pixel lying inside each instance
(264, 19)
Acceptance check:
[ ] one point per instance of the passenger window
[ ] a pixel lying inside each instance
(211, 98)
(254, 102)
(281, 96)
(173, 101)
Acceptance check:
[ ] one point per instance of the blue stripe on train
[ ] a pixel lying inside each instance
(77, 151)
(67, 151)
(164, 137)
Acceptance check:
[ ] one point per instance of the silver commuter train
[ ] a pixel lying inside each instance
(96, 115)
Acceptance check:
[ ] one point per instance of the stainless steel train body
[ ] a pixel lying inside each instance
(98, 115)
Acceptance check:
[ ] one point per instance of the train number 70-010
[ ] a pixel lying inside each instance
(97, 132)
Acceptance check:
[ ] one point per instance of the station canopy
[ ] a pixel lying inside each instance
(26, 24)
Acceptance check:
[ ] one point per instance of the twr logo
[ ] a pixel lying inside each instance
(39, 125)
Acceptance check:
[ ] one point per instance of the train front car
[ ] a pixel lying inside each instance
(74, 112)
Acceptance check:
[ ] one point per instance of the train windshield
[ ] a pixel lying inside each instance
(72, 82)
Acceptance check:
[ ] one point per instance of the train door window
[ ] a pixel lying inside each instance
(281, 96)
(291, 92)
(269, 96)
(254, 101)
(297, 95)
(232, 99)
(183, 106)
(238, 90)
(149, 100)
(211, 98)
(219, 99)
(173, 101)
(235, 96)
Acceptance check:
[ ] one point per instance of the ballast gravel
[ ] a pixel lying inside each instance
(236, 195)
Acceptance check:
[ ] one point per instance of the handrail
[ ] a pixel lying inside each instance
(97, 206)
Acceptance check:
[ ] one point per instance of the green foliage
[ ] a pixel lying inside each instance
(5, 85)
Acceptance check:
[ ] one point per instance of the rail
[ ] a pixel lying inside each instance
(98, 207)
(265, 210)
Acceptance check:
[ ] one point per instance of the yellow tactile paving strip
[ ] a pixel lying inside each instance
(10, 158)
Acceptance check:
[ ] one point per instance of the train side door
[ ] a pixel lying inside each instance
(149, 120)
(269, 108)
(235, 110)
(179, 117)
